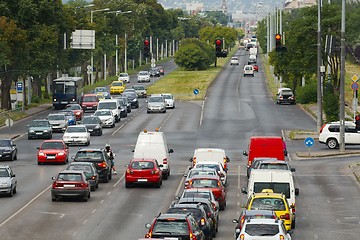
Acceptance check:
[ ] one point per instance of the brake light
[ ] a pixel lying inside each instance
(154, 171)
(219, 184)
(148, 235)
(192, 236)
(165, 161)
(282, 237)
(194, 161)
(102, 164)
(292, 208)
(242, 236)
(286, 216)
(83, 185)
(93, 177)
(242, 220)
(202, 221)
(322, 128)
(54, 185)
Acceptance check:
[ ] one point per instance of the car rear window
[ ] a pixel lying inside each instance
(273, 166)
(196, 213)
(197, 194)
(142, 165)
(275, 204)
(69, 177)
(262, 229)
(283, 188)
(89, 155)
(204, 183)
(172, 226)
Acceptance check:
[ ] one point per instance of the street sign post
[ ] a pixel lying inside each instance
(196, 91)
(309, 142)
(9, 122)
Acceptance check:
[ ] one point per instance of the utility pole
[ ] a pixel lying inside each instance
(319, 64)
(342, 80)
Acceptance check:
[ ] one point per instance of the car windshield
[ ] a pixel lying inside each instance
(57, 117)
(117, 84)
(207, 183)
(76, 177)
(195, 212)
(173, 227)
(167, 96)
(4, 172)
(68, 114)
(52, 145)
(142, 165)
(262, 229)
(275, 204)
(123, 75)
(74, 107)
(76, 129)
(89, 99)
(273, 166)
(39, 124)
(102, 113)
(78, 167)
(286, 92)
(5, 143)
(143, 73)
(89, 155)
(195, 172)
(129, 94)
(139, 87)
(91, 120)
(156, 99)
(107, 105)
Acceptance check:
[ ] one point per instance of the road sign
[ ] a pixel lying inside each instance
(9, 122)
(196, 91)
(153, 65)
(309, 142)
(153, 60)
(354, 86)
(19, 86)
(89, 69)
(354, 78)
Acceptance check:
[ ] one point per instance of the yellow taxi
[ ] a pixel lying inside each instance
(268, 200)
(117, 87)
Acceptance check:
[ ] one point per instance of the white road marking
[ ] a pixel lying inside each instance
(118, 129)
(202, 111)
(85, 221)
(74, 233)
(181, 185)
(102, 201)
(118, 181)
(108, 193)
(55, 213)
(239, 186)
(93, 211)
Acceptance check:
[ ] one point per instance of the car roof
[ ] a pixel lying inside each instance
(91, 149)
(53, 140)
(187, 205)
(212, 177)
(263, 221)
(81, 163)
(208, 163)
(75, 126)
(275, 161)
(195, 199)
(172, 216)
(71, 171)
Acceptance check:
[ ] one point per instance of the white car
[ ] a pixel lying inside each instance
(234, 61)
(330, 134)
(214, 165)
(170, 100)
(143, 76)
(77, 134)
(124, 77)
(107, 117)
(269, 229)
(201, 193)
(156, 103)
(248, 70)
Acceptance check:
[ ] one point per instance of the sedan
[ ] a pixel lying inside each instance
(140, 91)
(90, 171)
(170, 100)
(124, 77)
(70, 183)
(77, 110)
(8, 150)
(39, 128)
(77, 134)
(143, 171)
(200, 193)
(58, 122)
(154, 72)
(8, 181)
(93, 124)
(106, 116)
(53, 151)
(132, 98)
(143, 76)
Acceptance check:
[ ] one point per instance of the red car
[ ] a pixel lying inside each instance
(89, 102)
(77, 110)
(53, 151)
(212, 183)
(256, 68)
(143, 171)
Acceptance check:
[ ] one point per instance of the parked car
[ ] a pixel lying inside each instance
(106, 116)
(330, 134)
(89, 170)
(77, 134)
(70, 116)
(53, 151)
(154, 72)
(39, 128)
(140, 91)
(169, 100)
(143, 76)
(70, 183)
(285, 95)
(89, 102)
(117, 87)
(93, 124)
(143, 171)
(156, 103)
(58, 122)
(132, 98)
(8, 149)
(77, 110)
(8, 182)
(124, 77)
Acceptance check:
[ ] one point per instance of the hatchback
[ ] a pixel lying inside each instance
(93, 125)
(267, 229)
(89, 170)
(58, 122)
(53, 151)
(143, 171)
(8, 150)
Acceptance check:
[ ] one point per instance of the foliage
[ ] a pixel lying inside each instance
(307, 93)
(331, 106)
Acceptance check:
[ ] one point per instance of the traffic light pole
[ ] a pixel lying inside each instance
(319, 64)
(342, 80)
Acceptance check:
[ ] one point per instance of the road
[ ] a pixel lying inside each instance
(235, 109)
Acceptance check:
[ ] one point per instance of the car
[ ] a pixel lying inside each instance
(154, 72)
(77, 134)
(143, 76)
(252, 59)
(156, 103)
(102, 93)
(123, 107)
(273, 229)
(106, 116)
(58, 122)
(39, 128)
(140, 90)
(77, 110)
(161, 69)
(99, 157)
(176, 226)
(210, 154)
(53, 151)
(70, 184)
(124, 77)
(117, 87)
(8, 149)
(8, 182)
(268, 200)
(126, 103)
(234, 61)
(273, 164)
(89, 170)
(217, 166)
(112, 105)
(143, 171)
(248, 46)
(132, 98)
(330, 134)
(169, 100)
(89, 102)
(93, 124)
(200, 193)
(70, 116)
(199, 214)
(256, 68)
(249, 70)
(130, 90)
(214, 184)
(256, 161)
(199, 171)
(251, 214)
(285, 95)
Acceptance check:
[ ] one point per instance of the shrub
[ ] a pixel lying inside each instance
(35, 99)
(307, 93)
(331, 106)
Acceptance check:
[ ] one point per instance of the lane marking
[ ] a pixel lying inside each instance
(181, 185)
(118, 181)
(85, 221)
(239, 186)
(54, 213)
(93, 211)
(202, 111)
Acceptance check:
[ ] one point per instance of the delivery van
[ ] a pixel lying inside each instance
(265, 147)
(210, 155)
(153, 145)
(253, 51)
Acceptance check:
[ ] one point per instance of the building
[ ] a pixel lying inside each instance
(295, 4)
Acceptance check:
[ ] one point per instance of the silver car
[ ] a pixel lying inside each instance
(107, 117)
(58, 122)
(8, 181)
(156, 103)
(140, 91)
(143, 76)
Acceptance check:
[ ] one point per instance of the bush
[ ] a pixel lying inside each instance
(35, 99)
(307, 93)
(331, 106)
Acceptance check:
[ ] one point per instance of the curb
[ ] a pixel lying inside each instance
(305, 155)
(357, 175)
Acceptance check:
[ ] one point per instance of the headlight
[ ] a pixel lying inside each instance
(97, 127)
(41, 154)
(61, 153)
(134, 100)
(78, 113)
(31, 131)
(108, 120)
(6, 152)
(46, 130)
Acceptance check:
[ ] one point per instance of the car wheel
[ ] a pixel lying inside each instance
(113, 125)
(40, 163)
(93, 188)
(97, 185)
(110, 175)
(50, 137)
(29, 137)
(244, 75)
(15, 191)
(252, 75)
(15, 157)
(106, 179)
(332, 143)
(222, 206)
(11, 193)
(158, 185)
(53, 198)
(101, 133)
(293, 225)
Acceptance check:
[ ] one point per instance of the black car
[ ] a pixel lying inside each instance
(124, 108)
(154, 72)
(198, 212)
(126, 102)
(8, 150)
(100, 158)
(132, 98)
(89, 170)
(93, 125)
(285, 96)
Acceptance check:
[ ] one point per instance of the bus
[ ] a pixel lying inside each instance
(67, 90)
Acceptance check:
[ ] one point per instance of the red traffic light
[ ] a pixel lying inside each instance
(218, 42)
(278, 37)
(146, 42)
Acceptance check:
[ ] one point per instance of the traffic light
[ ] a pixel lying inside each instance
(146, 48)
(218, 47)
(278, 44)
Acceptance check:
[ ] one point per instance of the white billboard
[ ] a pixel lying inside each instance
(83, 39)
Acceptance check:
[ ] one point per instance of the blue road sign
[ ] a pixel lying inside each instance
(19, 86)
(354, 86)
(196, 91)
(309, 142)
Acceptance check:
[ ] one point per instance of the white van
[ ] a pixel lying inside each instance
(113, 105)
(154, 145)
(253, 51)
(252, 59)
(280, 181)
(210, 155)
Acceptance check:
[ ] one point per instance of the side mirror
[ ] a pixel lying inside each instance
(73, 157)
(171, 150)
(297, 191)
(14, 145)
(53, 178)
(13, 175)
(177, 198)
(235, 220)
(285, 152)
(227, 159)
(119, 107)
(191, 159)
(38, 148)
(245, 153)
(185, 175)
(243, 190)
(126, 165)
(292, 169)
(133, 150)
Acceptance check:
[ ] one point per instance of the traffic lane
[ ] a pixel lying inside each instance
(328, 206)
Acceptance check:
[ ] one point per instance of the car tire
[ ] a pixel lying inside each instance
(15, 191)
(40, 163)
(113, 125)
(293, 225)
(158, 185)
(97, 185)
(110, 175)
(93, 188)
(332, 143)
(106, 179)
(29, 137)
(252, 75)
(11, 193)
(53, 198)
(50, 137)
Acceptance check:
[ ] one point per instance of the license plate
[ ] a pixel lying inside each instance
(142, 180)
(69, 185)
(88, 107)
(90, 130)
(50, 157)
(38, 133)
(64, 102)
